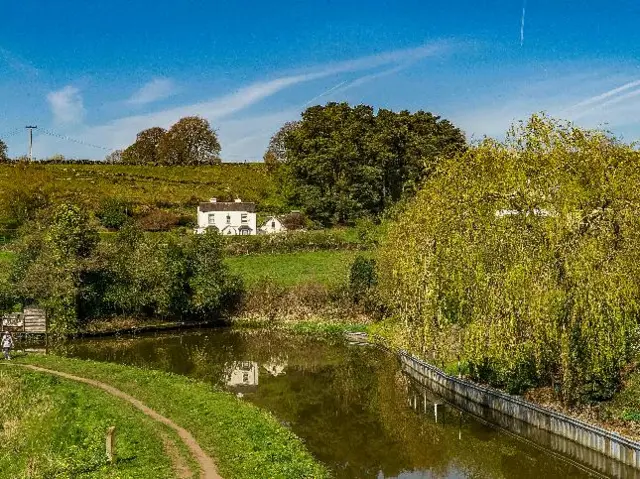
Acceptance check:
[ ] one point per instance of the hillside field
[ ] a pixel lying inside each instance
(172, 188)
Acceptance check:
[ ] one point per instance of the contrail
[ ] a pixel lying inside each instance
(589, 102)
(332, 89)
(612, 101)
(524, 12)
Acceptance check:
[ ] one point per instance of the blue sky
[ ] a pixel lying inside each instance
(98, 72)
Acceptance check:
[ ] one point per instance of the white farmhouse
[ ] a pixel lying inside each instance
(273, 224)
(236, 218)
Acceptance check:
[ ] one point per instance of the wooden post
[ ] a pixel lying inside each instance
(111, 455)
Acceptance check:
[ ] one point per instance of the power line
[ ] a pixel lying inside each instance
(74, 140)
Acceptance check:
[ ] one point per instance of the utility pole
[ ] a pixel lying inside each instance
(31, 128)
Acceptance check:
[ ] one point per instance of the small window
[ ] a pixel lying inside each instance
(273, 225)
(212, 219)
(244, 217)
(228, 219)
(245, 377)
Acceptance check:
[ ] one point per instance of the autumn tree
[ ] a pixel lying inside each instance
(191, 141)
(145, 149)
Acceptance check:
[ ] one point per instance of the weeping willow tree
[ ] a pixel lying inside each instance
(523, 257)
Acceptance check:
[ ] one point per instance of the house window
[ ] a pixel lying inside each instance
(228, 219)
(212, 219)
(273, 225)
(245, 377)
(244, 218)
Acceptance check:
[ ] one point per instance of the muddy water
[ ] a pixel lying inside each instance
(352, 405)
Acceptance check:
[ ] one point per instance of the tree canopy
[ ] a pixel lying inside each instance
(191, 141)
(523, 257)
(347, 162)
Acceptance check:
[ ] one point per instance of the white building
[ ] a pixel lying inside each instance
(242, 373)
(273, 224)
(237, 218)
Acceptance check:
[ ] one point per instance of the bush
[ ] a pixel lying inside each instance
(113, 214)
(158, 220)
(362, 276)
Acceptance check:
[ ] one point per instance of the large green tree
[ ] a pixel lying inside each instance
(347, 162)
(191, 141)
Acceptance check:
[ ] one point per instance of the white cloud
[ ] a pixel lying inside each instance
(156, 89)
(121, 132)
(66, 105)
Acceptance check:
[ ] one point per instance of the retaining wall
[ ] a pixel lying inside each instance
(478, 398)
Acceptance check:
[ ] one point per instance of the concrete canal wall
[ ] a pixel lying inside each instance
(588, 444)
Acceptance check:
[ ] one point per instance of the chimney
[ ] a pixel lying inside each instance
(213, 200)
(238, 200)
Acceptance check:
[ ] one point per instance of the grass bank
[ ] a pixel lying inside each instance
(323, 267)
(56, 428)
(245, 441)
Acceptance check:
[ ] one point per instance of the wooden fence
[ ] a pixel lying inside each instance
(31, 321)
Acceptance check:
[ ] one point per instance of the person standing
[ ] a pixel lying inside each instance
(7, 344)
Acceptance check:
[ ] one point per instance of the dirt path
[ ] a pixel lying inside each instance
(208, 468)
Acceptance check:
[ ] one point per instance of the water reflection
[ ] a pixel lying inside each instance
(353, 406)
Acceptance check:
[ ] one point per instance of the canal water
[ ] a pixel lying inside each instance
(352, 405)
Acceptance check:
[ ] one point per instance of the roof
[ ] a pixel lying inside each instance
(233, 206)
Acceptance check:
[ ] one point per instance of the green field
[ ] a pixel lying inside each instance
(324, 267)
(165, 187)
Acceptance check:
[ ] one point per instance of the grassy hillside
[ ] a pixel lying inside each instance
(177, 188)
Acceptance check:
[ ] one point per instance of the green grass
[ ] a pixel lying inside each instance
(6, 257)
(177, 188)
(245, 441)
(53, 427)
(325, 267)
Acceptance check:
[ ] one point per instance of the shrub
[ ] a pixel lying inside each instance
(362, 276)
(113, 214)
(291, 242)
(158, 220)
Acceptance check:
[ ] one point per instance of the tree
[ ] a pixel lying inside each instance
(191, 141)
(3, 152)
(114, 158)
(145, 149)
(349, 162)
(522, 256)
(277, 150)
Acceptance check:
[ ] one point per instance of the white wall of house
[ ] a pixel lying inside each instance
(272, 225)
(227, 222)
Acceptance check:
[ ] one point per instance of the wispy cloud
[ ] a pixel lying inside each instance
(66, 105)
(524, 12)
(156, 89)
(17, 63)
(325, 93)
(122, 131)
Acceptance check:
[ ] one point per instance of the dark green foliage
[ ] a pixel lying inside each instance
(363, 276)
(3, 152)
(348, 162)
(61, 267)
(113, 213)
